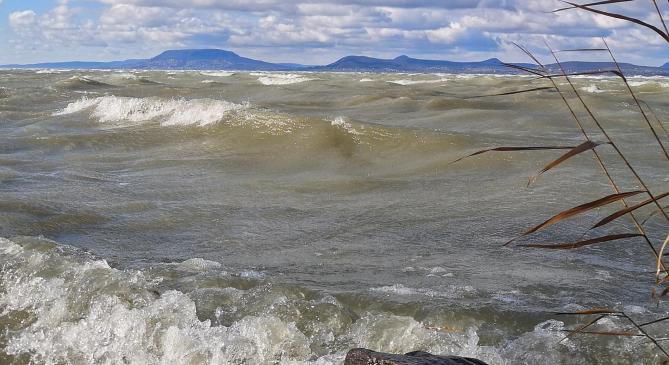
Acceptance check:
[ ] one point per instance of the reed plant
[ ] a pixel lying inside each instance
(591, 127)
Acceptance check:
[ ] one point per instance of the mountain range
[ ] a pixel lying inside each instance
(216, 59)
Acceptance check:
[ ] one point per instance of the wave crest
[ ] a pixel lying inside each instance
(281, 79)
(168, 112)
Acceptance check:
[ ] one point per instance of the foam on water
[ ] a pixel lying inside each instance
(217, 74)
(198, 264)
(649, 85)
(592, 88)
(340, 122)
(77, 309)
(79, 82)
(406, 82)
(281, 79)
(169, 112)
(117, 111)
(452, 291)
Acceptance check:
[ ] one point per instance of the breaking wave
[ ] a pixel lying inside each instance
(593, 89)
(82, 83)
(217, 74)
(405, 82)
(66, 306)
(281, 79)
(168, 112)
(649, 85)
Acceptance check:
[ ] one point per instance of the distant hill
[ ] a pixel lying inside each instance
(666, 65)
(217, 59)
(493, 65)
(207, 59)
(408, 64)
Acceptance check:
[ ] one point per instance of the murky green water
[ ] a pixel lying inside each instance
(242, 218)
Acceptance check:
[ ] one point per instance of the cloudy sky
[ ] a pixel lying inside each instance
(316, 31)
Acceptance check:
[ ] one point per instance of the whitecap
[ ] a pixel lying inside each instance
(169, 112)
(198, 264)
(282, 79)
(592, 88)
(340, 122)
(217, 74)
(407, 82)
(452, 291)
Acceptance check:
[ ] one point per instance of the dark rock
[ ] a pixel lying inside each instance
(369, 357)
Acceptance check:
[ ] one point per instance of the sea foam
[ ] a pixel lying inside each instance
(405, 82)
(169, 112)
(282, 79)
(82, 311)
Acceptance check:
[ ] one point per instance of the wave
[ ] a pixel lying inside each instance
(592, 88)
(108, 109)
(217, 74)
(340, 122)
(51, 71)
(133, 79)
(281, 79)
(452, 291)
(649, 85)
(82, 310)
(82, 83)
(407, 82)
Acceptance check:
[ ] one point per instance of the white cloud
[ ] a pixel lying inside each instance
(446, 34)
(20, 20)
(326, 28)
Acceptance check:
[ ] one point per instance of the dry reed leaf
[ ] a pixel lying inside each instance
(590, 311)
(511, 149)
(654, 213)
(444, 328)
(513, 92)
(585, 146)
(583, 327)
(579, 244)
(581, 50)
(604, 333)
(630, 209)
(525, 69)
(578, 210)
(658, 264)
(604, 2)
(617, 16)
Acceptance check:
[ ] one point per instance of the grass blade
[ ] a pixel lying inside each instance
(581, 50)
(659, 260)
(605, 2)
(621, 17)
(590, 311)
(585, 146)
(636, 100)
(513, 92)
(579, 244)
(526, 69)
(578, 210)
(622, 212)
(621, 334)
(659, 12)
(651, 215)
(512, 149)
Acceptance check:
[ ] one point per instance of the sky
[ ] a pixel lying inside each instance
(320, 31)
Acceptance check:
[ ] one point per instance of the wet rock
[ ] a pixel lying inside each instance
(369, 357)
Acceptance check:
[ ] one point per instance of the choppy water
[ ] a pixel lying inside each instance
(259, 218)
